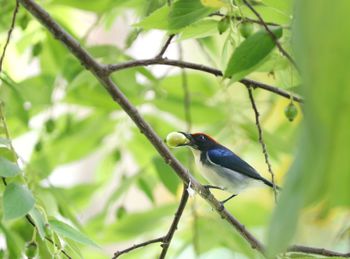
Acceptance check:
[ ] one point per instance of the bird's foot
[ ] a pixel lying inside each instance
(221, 207)
(229, 198)
(208, 187)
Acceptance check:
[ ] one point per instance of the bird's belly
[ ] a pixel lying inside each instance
(228, 179)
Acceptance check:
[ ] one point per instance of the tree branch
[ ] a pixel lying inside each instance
(146, 243)
(173, 227)
(183, 64)
(273, 36)
(261, 140)
(246, 19)
(317, 251)
(103, 76)
(100, 73)
(164, 48)
(165, 240)
(9, 32)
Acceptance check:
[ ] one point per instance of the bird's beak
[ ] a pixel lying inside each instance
(189, 138)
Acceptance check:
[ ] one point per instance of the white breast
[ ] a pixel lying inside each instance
(222, 177)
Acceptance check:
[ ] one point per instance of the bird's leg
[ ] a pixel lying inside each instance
(229, 198)
(213, 187)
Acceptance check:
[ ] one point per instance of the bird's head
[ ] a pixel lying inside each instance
(199, 141)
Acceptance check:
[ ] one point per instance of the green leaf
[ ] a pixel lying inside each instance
(85, 90)
(17, 201)
(156, 20)
(7, 153)
(202, 90)
(76, 139)
(106, 166)
(170, 180)
(69, 232)
(320, 173)
(87, 5)
(227, 237)
(15, 112)
(282, 6)
(145, 184)
(73, 247)
(200, 29)
(39, 221)
(250, 54)
(8, 168)
(37, 90)
(53, 56)
(13, 242)
(65, 209)
(129, 227)
(278, 12)
(184, 12)
(124, 185)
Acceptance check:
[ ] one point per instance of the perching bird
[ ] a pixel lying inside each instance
(222, 168)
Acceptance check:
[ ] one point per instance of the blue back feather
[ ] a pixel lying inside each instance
(226, 158)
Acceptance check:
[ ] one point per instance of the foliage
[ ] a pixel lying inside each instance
(93, 184)
(323, 144)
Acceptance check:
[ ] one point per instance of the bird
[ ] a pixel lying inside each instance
(220, 166)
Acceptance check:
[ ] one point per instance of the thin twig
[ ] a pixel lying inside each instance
(187, 97)
(100, 73)
(31, 222)
(246, 19)
(183, 64)
(317, 251)
(261, 140)
(165, 240)
(164, 48)
(7, 133)
(91, 28)
(169, 236)
(2, 119)
(14, 15)
(273, 36)
(188, 119)
(146, 243)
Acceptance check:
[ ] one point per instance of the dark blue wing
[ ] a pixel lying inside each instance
(226, 158)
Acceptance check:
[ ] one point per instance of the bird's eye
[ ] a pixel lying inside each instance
(202, 137)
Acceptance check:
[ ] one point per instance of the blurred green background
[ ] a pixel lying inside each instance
(87, 166)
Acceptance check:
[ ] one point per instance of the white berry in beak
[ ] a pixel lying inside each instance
(175, 139)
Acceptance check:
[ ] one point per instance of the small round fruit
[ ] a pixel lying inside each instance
(246, 29)
(223, 24)
(174, 139)
(38, 146)
(37, 48)
(291, 111)
(121, 212)
(50, 125)
(31, 249)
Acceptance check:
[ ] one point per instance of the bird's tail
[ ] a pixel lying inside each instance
(267, 182)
